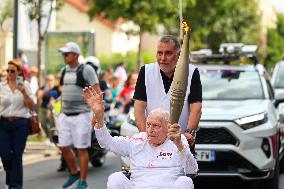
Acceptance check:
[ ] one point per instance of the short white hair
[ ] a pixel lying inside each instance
(160, 113)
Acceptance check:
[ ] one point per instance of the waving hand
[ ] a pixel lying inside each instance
(95, 102)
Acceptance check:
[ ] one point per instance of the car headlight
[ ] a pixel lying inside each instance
(131, 118)
(249, 122)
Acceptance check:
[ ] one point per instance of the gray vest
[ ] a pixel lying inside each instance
(72, 94)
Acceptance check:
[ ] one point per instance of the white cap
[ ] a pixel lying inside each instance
(70, 47)
(94, 60)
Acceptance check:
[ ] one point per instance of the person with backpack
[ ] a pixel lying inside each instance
(74, 122)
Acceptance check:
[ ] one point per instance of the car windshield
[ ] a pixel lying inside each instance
(279, 79)
(219, 84)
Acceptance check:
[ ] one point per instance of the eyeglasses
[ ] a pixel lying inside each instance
(11, 71)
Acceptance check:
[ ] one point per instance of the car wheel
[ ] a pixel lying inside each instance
(272, 183)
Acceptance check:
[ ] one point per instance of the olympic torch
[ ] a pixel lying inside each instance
(179, 84)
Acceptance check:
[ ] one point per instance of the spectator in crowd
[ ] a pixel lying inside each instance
(159, 157)
(110, 72)
(24, 59)
(16, 101)
(47, 92)
(115, 89)
(48, 102)
(104, 77)
(33, 78)
(104, 86)
(126, 95)
(121, 72)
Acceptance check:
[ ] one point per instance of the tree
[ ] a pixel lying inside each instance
(6, 12)
(37, 13)
(220, 21)
(147, 14)
(212, 22)
(275, 41)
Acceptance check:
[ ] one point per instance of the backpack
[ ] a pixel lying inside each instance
(80, 81)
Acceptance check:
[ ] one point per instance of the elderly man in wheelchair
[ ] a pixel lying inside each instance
(159, 157)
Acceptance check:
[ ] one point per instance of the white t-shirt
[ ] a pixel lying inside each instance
(151, 167)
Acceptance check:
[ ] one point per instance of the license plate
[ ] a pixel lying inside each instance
(205, 155)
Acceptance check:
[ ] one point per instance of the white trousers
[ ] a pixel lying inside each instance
(118, 180)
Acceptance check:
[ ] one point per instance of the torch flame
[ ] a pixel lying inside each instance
(185, 26)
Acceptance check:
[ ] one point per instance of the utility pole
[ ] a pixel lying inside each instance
(180, 20)
(15, 29)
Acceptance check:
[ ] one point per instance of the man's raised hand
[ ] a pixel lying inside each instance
(95, 102)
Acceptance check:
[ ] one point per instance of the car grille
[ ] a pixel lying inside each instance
(215, 136)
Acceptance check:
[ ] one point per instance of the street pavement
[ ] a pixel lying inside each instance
(44, 156)
(43, 174)
(37, 151)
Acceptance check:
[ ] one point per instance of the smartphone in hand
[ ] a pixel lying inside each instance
(20, 80)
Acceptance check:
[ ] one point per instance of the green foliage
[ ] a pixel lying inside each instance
(231, 21)
(146, 14)
(129, 60)
(148, 56)
(6, 11)
(275, 42)
(212, 22)
(219, 21)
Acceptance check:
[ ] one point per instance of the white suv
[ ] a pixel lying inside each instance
(239, 135)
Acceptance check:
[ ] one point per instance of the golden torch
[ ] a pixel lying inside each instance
(179, 84)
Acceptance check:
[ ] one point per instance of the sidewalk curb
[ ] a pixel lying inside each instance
(33, 158)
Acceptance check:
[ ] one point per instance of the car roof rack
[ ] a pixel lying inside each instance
(213, 58)
(228, 52)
